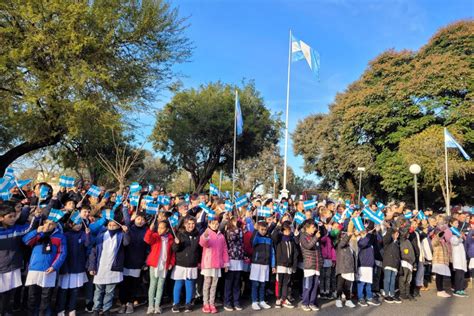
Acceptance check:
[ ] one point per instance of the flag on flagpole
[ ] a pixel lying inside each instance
(94, 191)
(55, 215)
(66, 182)
(357, 221)
(301, 50)
(239, 121)
(299, 218)
(450, 142)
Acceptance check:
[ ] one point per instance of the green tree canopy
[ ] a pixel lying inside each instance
(195, 130)
(67, 66)
(399, 95)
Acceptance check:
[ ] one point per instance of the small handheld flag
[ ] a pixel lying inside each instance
(94, 191)
(108, 215)
(135, 187)
(75, 218)
(408, 215)
(264, 211)
(371, 215)
(213, 189)
(187, 198)
(228, 206)
(241, 201)
(337, 218)
(421, 215)
(6, 184)
(152, 208)
(206, 209)
(134, 199)
(55, 215)
(310, 204)
(66, 182)
(455, 231)
(364, 200)
(174, 220)
(299, 218)
(5, 196)
(21, 183)
(358, 224)
(44, 192)
(165, 200)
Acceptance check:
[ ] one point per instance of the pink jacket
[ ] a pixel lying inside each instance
(214, 251)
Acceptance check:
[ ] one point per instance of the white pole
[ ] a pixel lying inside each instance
(448, 202)
(285, 191)
(235, 142)
(220, 180)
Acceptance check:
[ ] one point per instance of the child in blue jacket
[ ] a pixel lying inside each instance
(47, 257)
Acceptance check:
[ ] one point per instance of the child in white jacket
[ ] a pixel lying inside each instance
(459, 259)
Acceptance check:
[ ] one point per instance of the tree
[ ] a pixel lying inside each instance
(400, 95)
(195, 130)
(153, 171)
(67, 65)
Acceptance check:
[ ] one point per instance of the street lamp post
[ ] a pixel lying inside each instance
(415, 169)
(361, 170)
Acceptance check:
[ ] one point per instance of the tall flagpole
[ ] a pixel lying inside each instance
(284, 192)
(448, 199)
(235, 143)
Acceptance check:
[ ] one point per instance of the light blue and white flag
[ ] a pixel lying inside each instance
(455, 231)
(213, 189)
(75, 218)
(408, 215)
(371, 215)
(299, 218)
(94, 191)
(364, 200)
(264, 211)
(148, 199)
(5, 196)
(152, 208)
(135, 187)
(337, 218)
(6, 184)
(164, 200)
(241, 201)
(174, 219)
(239, 121)
(187, 198)
(450, 142)
(134, 199)
(228, 206)
(151, 187)
(44, 192)
(301, 50)
(55, 215)
(108, 215)
(206, 209)
(10, 172)
(21, 183)
(421, 215)
(358, 224)
(310, 204)
(66, 182)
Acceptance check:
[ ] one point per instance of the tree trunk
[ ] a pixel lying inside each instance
(11, 155)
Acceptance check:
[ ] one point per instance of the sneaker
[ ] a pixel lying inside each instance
(158, 310)
(278, 303)
(255, 306)
(459, 294)
(314, 308)
(122, 308)
(89, 307)
(72, 313)
(175, 309)
(306, 308)
(382, 292)
(290, 299)
(150, 310)
(363, 303)
(238, 308)
(264, 305)
(228, 308)
(464, 293)
(443, 294)
(389, 299)
(350, 304)
(213, 309)
(59, 314)
(206, 309)
(339, 303)
(287, 304)
(129, 309)
(397, 300)
(373, 302)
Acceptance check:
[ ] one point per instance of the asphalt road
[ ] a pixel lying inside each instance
(429, 304)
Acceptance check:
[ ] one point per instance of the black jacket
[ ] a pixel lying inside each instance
(345, 257)
(188, 251)
(137, 250)
(286, 251)
(391, 251)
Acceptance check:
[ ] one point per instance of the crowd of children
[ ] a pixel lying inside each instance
(103, 246)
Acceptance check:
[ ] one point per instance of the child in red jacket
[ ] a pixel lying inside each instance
(160, 260)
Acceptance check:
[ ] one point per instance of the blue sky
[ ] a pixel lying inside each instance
(249, 39)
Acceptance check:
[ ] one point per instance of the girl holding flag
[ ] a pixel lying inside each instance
(459, 259)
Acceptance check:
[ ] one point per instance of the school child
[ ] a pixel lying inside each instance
(12, 229)
(441, 260)
(234, 236)
(391, 264)
(459, 260)
(329, 259)
(408, 258)
(263, 259)
(72, 275)
(345, 267)
(313, 263)
(106, 263)
(48, 255)
(187, 253)
(286, 260)
(365, 270)
(160, 260)
(214, 258)
(135, 256)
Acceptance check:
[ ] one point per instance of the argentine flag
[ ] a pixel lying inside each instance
(450, 142)
(357, 221)
(108, 215)
(66, 182)
(455, 231)
(228, 206)
(241, 201)
(174, 220)
(239, 121)
(365, 200)
(94, 191)
(299, 218)
(152, 208)
(421, 215)
(310, 204)
(371, 215)
(55, 215)
(75, 218)
(264, 212)
(301, 50)
(213, 189)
